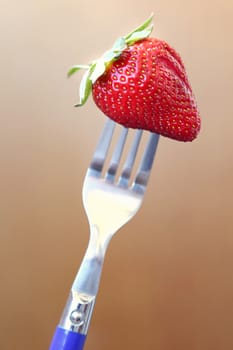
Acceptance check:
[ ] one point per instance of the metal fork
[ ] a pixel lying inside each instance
(109, 204)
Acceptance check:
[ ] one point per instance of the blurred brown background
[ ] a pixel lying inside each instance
(168, 277)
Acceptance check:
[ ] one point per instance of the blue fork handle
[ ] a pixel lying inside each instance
(64, 339)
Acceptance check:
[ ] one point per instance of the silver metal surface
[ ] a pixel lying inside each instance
(109, 203)
(77, 312)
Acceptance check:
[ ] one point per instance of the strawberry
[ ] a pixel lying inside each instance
(142, 83)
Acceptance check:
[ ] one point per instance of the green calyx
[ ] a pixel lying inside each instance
(96, 68)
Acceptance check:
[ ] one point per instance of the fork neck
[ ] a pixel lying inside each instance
(88, 277)
(98, 243)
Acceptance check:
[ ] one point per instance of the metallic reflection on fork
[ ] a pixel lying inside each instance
(110, 201)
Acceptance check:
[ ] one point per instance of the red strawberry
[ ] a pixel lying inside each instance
(141, 83)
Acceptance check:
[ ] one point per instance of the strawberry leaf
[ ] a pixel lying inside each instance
(97, 70)
(109, 56)
(136, 36)
(76, 68)
(85, 88)
(119, 45)
(143, 26)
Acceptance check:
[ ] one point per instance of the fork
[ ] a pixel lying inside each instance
(109, 202)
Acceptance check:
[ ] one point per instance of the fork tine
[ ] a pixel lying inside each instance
(127, 168)
(115, 160)
(143, 172)
(102, 148)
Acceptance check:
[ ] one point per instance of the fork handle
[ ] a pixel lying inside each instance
(64, 339)
(71, 331)
(74, 323)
